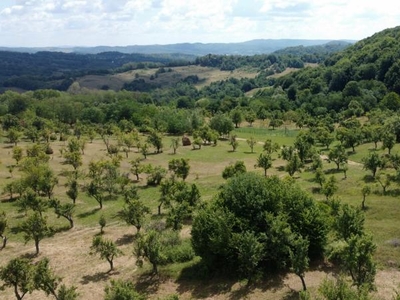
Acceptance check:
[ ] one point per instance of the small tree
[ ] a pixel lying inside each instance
(17, 154)
(384, 181)
(251, 142)
(149, 247)
(64, 210)
(72, 191)
(122, 290)
(337, 155)
(233, 169)
(388, 141)
(299, 258)
(270, 147)
(329, 187)
(365, 191)
(372, 162)
(134, 213)
(264, 161)
(18, 274)
(320, 177)
(179, 167)
(233, 142)
(35, 228)
(293, 165)
(107, 250)
(174, 144)
(136, 167)
(3, 227)
(102, 223)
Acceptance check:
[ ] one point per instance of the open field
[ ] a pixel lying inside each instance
(68, 250)
(206, 75)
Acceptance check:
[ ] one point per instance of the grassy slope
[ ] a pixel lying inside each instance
(68, 250)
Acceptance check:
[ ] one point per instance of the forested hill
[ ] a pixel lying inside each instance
(252, 47)
(362, 74)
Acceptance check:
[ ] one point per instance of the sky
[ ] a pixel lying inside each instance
(45, 23)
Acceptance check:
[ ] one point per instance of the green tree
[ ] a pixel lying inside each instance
(264, 161)
(17, 154)
(102, 223)
(372, 162)
(293, 165)
(388, 141)
(384, 181)
(175, 144)
(106, 249)
(338, 155)
(251, 142)
(237, 117)
(221, 124)
(329, 187)
(64, 210)
(299, 258)
(179, 167)
(365, 191)
(14, 136)
(233, 169)
(121, 290)
(233, 142)
(18, 274)
(136, 167)
(155, 138)
(3, 227)
(35, 228)
(72, 191)
(149, 247)
(320, 177)
(134, 213)
(349, 222)
(270, 147)
(250, 116)
(358, 260)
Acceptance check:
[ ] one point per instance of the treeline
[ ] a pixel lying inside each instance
(56, 70)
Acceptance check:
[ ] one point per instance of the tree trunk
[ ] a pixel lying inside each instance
(159, 209)
(110, 261)
(4, 241)
(71, 223)
(155, 269)
(17, 295)
(303, 282)
(37, 246)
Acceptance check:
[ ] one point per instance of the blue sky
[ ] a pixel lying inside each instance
(43, 23)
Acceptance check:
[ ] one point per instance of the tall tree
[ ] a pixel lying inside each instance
(106, 249)
(35, 228)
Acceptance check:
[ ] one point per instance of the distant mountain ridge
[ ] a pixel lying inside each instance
(252, 47)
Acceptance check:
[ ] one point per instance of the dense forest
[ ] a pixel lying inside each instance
(252, 225)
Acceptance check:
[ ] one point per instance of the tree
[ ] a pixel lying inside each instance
(250, 116)
(233, 169)
(372, 162)
(365, 191)
(221, 124)
(155, 174)
(251, 142)
(237, 117)
(270, 147)
(233, 142)
(329, 187)
(293, 165)
(320, 177)
(35, 228)
(175, 144)
(72, 191)
(349, 222)
(349, 137)
(136, 167)
(48, 282)
(388, 141)
(264, 161)
(64, 210)
(337, 155)
(14, 136)
(144, 149)
(3, 227)
(358, 260)
(384, 181)
(155, 139)
(18, 274)
(17, 154)
(179, 167)
(102, 223)
(299, 258)
(149, 247)
(106, 249)
(134, 213)
(121, 290)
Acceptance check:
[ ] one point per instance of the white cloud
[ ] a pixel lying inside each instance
(122, 22)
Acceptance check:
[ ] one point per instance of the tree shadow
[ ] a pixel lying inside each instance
(125, 239)
(368, 178)
(280, 168)
(333, 171)
(316, 190)
(149, 283)
(88, 213)
(97, 277)
(61, 229)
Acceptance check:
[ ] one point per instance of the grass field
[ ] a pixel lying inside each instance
(68, 250)
(206, 76)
